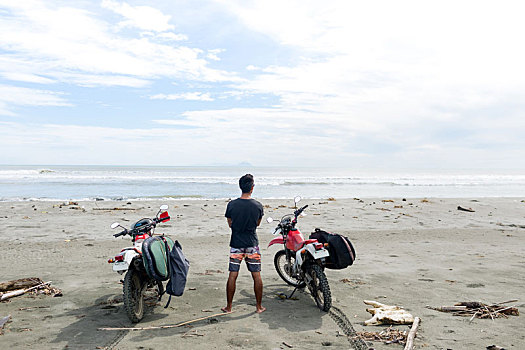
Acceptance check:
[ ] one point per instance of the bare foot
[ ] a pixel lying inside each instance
(226, 309)
(260, 309)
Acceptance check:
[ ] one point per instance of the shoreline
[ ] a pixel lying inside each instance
(202, 198)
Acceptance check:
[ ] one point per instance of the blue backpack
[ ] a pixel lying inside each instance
(178, 267)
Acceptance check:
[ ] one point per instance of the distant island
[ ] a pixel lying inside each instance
(244, 164)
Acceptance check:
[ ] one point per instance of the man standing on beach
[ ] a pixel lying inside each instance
(244, 214)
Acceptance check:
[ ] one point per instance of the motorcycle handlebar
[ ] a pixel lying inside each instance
(144, 228)
(157, 220)
(299, 211)
(120, 233)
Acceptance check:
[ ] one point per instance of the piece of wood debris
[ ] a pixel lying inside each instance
(116, 208)
(448, 308)
(4, 320)
(354, 281)
(162, 327)
(412, 334)
(476, 309)
(387, 314)
(21, 283)
(209, 272)
(287, 345)
(388, 336)
(470, 210)
(18, 292)
(192, 333)
(33, 307)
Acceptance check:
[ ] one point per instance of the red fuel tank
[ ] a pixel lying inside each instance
(295, 240)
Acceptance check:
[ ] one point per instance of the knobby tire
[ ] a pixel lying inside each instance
(320, 285)
(133, 296)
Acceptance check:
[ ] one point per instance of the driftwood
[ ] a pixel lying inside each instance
(470, 210)
(21, 283)
(161, 327)
(114, 209)
(476, 309)
(18, 292)
(412, 334)
(448, 308)
(387, 314)
(4, 320)
(388, 336)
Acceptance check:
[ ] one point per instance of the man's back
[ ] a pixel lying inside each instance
(245, 215)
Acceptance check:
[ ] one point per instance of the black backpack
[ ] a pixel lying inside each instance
(342, 252)
(178, 270)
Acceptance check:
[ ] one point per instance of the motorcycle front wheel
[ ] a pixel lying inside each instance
(134, 295)
(284, 269)
(319, 287)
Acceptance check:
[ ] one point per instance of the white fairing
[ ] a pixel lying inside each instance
(310, 248)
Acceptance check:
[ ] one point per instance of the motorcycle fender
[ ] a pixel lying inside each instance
(316, 254)
(129, 255)
(120, 266)
(277, 240)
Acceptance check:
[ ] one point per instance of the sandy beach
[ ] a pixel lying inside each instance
(411, 253)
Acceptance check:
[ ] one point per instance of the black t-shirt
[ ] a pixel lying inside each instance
(245, 214)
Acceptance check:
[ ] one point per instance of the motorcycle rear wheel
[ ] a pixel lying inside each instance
(284, 270)
(319, 287)
(134, 295)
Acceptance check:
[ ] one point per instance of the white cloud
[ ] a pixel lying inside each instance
(19, 96)
(54, 42)
(213, 54)
(391, 68)
(142, 17)
(189, 96)
(172, 36)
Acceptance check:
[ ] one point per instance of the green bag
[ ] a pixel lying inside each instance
(155, 257)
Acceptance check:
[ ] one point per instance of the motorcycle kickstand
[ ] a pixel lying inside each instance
(290, 296)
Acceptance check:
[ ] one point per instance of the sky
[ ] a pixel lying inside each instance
(368, 84)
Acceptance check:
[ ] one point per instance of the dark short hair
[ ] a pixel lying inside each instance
(246, 183)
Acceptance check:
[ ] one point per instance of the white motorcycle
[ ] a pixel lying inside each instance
(130, 261)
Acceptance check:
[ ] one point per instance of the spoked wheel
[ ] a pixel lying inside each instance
(134, 295)
(284, 269)
(319, 287)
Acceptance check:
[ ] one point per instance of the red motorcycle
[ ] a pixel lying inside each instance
(302, 261)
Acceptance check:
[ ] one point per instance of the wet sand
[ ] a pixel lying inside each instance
(410, 253)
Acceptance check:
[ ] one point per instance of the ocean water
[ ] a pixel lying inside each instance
(127, 182)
